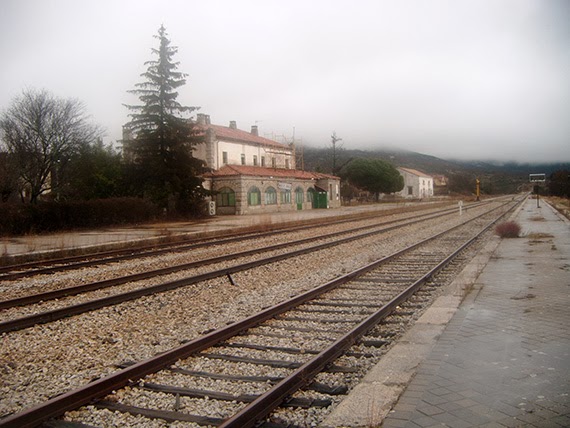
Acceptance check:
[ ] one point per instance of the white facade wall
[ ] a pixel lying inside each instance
(425, 187)
(266, 154)
(416, 186)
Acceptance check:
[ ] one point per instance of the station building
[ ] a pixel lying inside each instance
(253, 174)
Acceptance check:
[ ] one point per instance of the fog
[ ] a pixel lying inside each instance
(456, 79)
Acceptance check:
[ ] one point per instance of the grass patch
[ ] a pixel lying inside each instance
(539, 235)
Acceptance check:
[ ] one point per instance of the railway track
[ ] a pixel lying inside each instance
(307, 245)
(293, 342)
(12, 272)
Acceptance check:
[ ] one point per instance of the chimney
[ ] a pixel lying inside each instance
(207, 119)
(201, 119)
(254, 130)
(233, 124)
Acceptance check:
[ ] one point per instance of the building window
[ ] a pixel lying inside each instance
(273, 163)
(287, 163)
(410, 190)
(225, 158)
(270, 196)
(254, 160)
(262, 160)
(226, 197)
(243, 159)
(253, 196)
(285, 196)
(299, 195)
(311, 195)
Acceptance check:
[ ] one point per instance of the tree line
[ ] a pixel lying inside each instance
(51, 151)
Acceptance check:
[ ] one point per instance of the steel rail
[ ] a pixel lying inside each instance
(128, 376)
(65, 312)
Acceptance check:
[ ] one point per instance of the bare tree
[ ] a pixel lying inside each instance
(41, 132)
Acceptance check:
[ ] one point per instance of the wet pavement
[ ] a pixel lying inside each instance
(500, 358)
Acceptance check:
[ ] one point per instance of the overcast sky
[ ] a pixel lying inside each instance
(457, 79)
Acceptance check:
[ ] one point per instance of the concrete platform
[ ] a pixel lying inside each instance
(21, 246)
(499, 357)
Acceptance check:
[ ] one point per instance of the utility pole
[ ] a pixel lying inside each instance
(334, 140)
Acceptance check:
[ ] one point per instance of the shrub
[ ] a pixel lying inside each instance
(508, 229)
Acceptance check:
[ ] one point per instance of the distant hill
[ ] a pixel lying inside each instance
(496, 177)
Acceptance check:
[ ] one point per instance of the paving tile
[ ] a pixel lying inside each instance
(425, 421)
(402, 415)
(509, 422)
(440, 391)
(466, 402)
(444, 383)
(452, 397)
(430, 410)
(433, 399)
(508, 409)
(449, 406)
(395, 423)
(405, 407)
(562, 420)
(491, 425)
(469, 416)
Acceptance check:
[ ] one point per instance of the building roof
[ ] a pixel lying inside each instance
(233, 134)
(257, 171)
(415, 172)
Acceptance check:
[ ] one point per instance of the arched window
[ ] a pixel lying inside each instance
(285, 196)
(226, 197)
(270, 196)
(253, 196)
(311, 195)
(299, 199)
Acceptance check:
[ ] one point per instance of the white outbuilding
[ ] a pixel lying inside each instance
(417, 184)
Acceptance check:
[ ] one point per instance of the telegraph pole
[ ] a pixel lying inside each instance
(334, 140)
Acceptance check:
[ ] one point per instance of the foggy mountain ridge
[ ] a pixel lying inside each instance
(321, 159)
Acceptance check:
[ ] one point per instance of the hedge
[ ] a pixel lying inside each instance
(20, 219)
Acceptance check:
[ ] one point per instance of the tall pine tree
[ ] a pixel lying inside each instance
(162, 138)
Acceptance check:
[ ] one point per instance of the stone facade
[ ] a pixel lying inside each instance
(252, 174)
(279, 189)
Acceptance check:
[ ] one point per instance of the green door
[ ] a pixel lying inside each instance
(320, 200)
